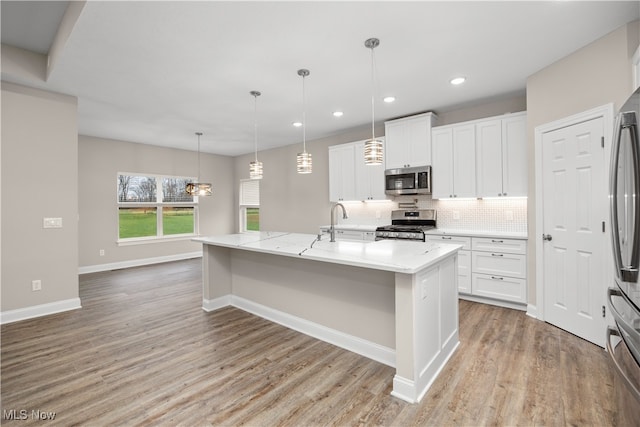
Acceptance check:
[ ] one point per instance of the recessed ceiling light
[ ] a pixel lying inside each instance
(389, 99)
(337, 114)
(458, 80)
(297, 124)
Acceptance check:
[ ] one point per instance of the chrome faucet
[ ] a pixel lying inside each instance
(332, 230)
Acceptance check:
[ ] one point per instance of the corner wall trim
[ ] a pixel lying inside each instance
(138, 262)
(532, 311)
(11, 316)
(365, 348)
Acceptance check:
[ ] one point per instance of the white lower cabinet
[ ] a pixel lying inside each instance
(493, 268)
(349, 234)
(500, 287)
(464, 259)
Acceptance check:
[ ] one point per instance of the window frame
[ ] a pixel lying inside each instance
(158, 205)
(242, 207)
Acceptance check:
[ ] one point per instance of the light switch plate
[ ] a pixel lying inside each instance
(52, 223)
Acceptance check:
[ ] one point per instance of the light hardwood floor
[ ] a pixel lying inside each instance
(142, 352)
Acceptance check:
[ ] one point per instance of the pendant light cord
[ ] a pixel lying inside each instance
(304, 119)
(255, 125)
(373, 115)
(199, 134)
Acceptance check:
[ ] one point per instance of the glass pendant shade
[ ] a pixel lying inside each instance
(304, 162)
(199, 189)
(373, 154)
(255, 170)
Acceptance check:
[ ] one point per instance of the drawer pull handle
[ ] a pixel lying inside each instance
(497, 241)
(497, 278)
(446, 238)
(497, 254)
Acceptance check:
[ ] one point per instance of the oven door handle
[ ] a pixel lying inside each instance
(613, 331)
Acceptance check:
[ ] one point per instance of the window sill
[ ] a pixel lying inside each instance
(148, 240)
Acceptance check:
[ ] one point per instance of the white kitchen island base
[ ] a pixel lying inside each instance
(394, 302)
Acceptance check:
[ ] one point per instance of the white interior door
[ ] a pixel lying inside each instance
(575, 206)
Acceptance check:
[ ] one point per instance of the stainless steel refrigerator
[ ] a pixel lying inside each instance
(623, 338)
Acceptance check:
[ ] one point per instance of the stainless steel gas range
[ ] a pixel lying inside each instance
(408, 225)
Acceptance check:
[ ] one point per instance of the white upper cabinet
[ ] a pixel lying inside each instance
(369, 178)
(342, 182)
(408, 141)
(481, 158)
(453, 170)
(501, 150)
(350, 178)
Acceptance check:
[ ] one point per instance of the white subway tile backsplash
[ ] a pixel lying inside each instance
(499, 215)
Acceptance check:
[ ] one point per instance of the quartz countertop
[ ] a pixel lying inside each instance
(478, 233)
(390, 255)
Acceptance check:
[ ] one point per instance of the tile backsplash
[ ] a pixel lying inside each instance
(503, 215)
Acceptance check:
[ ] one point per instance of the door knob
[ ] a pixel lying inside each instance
(547, 237)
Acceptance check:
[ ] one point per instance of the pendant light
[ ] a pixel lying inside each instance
(304, 162)
(255, 167)
(198, 188)
(373, 154)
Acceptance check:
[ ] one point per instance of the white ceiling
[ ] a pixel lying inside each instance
(156, 72)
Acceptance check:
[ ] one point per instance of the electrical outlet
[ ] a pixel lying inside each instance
(456, 214)
(101, 252)
(36, 285)
(508, 215)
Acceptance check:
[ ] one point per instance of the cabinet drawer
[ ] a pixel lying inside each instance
(499, 287)
(511, 246)
(456, 240)
(464, 271)
(369, 236)
(501, 264)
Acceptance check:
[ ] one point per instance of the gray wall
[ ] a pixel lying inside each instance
(597, 74)
(100, 160)
(39, 179)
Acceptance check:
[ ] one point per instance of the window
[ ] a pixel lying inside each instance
(152, 207)
(249, 205)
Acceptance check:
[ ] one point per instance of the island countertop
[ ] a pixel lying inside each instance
(388, 255)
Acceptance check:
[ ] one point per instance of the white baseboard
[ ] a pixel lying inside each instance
(368, 349)
(499, 303)
(215, 304)
(137, 262)
(532, 311)
(39, 310)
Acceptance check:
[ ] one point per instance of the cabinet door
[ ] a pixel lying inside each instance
(464, 271)
(503, 288)
(464, 161)
(514, 156)
(349, 235)
(395, 153)
(489, 158)
(442, 159)
(417, 134)
(500, 264)
(342, 173)
(369, 179)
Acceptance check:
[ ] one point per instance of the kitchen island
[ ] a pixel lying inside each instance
(392, 301)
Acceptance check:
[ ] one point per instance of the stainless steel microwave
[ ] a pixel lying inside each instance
(407, 181)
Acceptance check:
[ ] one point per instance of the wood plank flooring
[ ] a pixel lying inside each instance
(142, 352)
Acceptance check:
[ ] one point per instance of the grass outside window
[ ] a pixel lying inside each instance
(137, 222)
